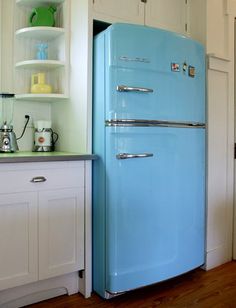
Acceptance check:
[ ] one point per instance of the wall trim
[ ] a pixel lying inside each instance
(230, 7)
(217, 63)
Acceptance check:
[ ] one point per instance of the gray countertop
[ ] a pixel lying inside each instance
(23, 157)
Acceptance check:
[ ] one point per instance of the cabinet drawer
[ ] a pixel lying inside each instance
(41, 176)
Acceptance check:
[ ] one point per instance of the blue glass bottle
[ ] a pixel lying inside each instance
(42, 51)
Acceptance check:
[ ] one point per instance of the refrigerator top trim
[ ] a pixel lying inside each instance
(161, 123)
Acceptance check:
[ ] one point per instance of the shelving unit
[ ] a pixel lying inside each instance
(40, 64)
(41, 97)
(39, 33)
(56, 66)
(35, 3)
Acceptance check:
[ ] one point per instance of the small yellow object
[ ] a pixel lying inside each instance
(38, 85)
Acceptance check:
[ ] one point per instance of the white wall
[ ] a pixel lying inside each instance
(217, 28)
(197, 20)
(212, 23)
(220, 76)
(220, 171)
(36, 110)
(73, 118)
(7, 45)
(69, 117)
(0, 44)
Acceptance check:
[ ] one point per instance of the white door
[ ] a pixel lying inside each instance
(61, 232)
(115, 10)
(166, 14)
(18, 239)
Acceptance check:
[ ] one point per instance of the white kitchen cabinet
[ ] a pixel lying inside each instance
(56, 66)
(166, 14)
(18, 239)
(61, 232)
(41, 221)
(122, 10)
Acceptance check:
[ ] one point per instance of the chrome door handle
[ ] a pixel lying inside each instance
(123, 88)
(127, 155)
(38, 179)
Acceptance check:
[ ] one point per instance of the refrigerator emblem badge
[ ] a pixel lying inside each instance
(144, 60)
(191, 71)
(175, 67)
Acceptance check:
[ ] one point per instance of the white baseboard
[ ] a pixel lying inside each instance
(216, 257)
(39, 291)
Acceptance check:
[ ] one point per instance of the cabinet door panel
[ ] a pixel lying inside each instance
(166, 14)
(18, 239)
(132, 10)
(61, 232)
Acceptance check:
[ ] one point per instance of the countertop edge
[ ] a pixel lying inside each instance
(30, 159)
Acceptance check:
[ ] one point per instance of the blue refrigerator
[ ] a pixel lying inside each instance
(149, 180)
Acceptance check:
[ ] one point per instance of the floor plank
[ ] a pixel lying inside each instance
(215, 288)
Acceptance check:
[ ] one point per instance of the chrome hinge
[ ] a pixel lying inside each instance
(235, 151)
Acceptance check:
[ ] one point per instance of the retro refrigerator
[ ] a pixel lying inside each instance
(149, 180)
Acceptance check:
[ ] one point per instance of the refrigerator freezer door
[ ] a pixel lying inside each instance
(141, 59)
(154, 205)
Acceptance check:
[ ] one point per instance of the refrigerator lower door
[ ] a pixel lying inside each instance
(155, 199)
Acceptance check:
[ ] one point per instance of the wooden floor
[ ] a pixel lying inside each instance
(215, 288)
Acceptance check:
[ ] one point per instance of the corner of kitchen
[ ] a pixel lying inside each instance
(116, 144)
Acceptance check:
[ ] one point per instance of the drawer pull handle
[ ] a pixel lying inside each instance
(38, 179)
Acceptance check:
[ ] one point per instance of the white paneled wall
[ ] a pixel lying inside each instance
(220, 195)
(0, 44)
(220, 16)
(217, 28)
(7, 54)
(74, 118)
(35, 110)
(212, 23)
(197, 20)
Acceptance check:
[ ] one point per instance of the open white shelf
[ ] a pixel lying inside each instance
(37, 3)
(40, 64)
(53, 97)
(26, 44)
(39, 33)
